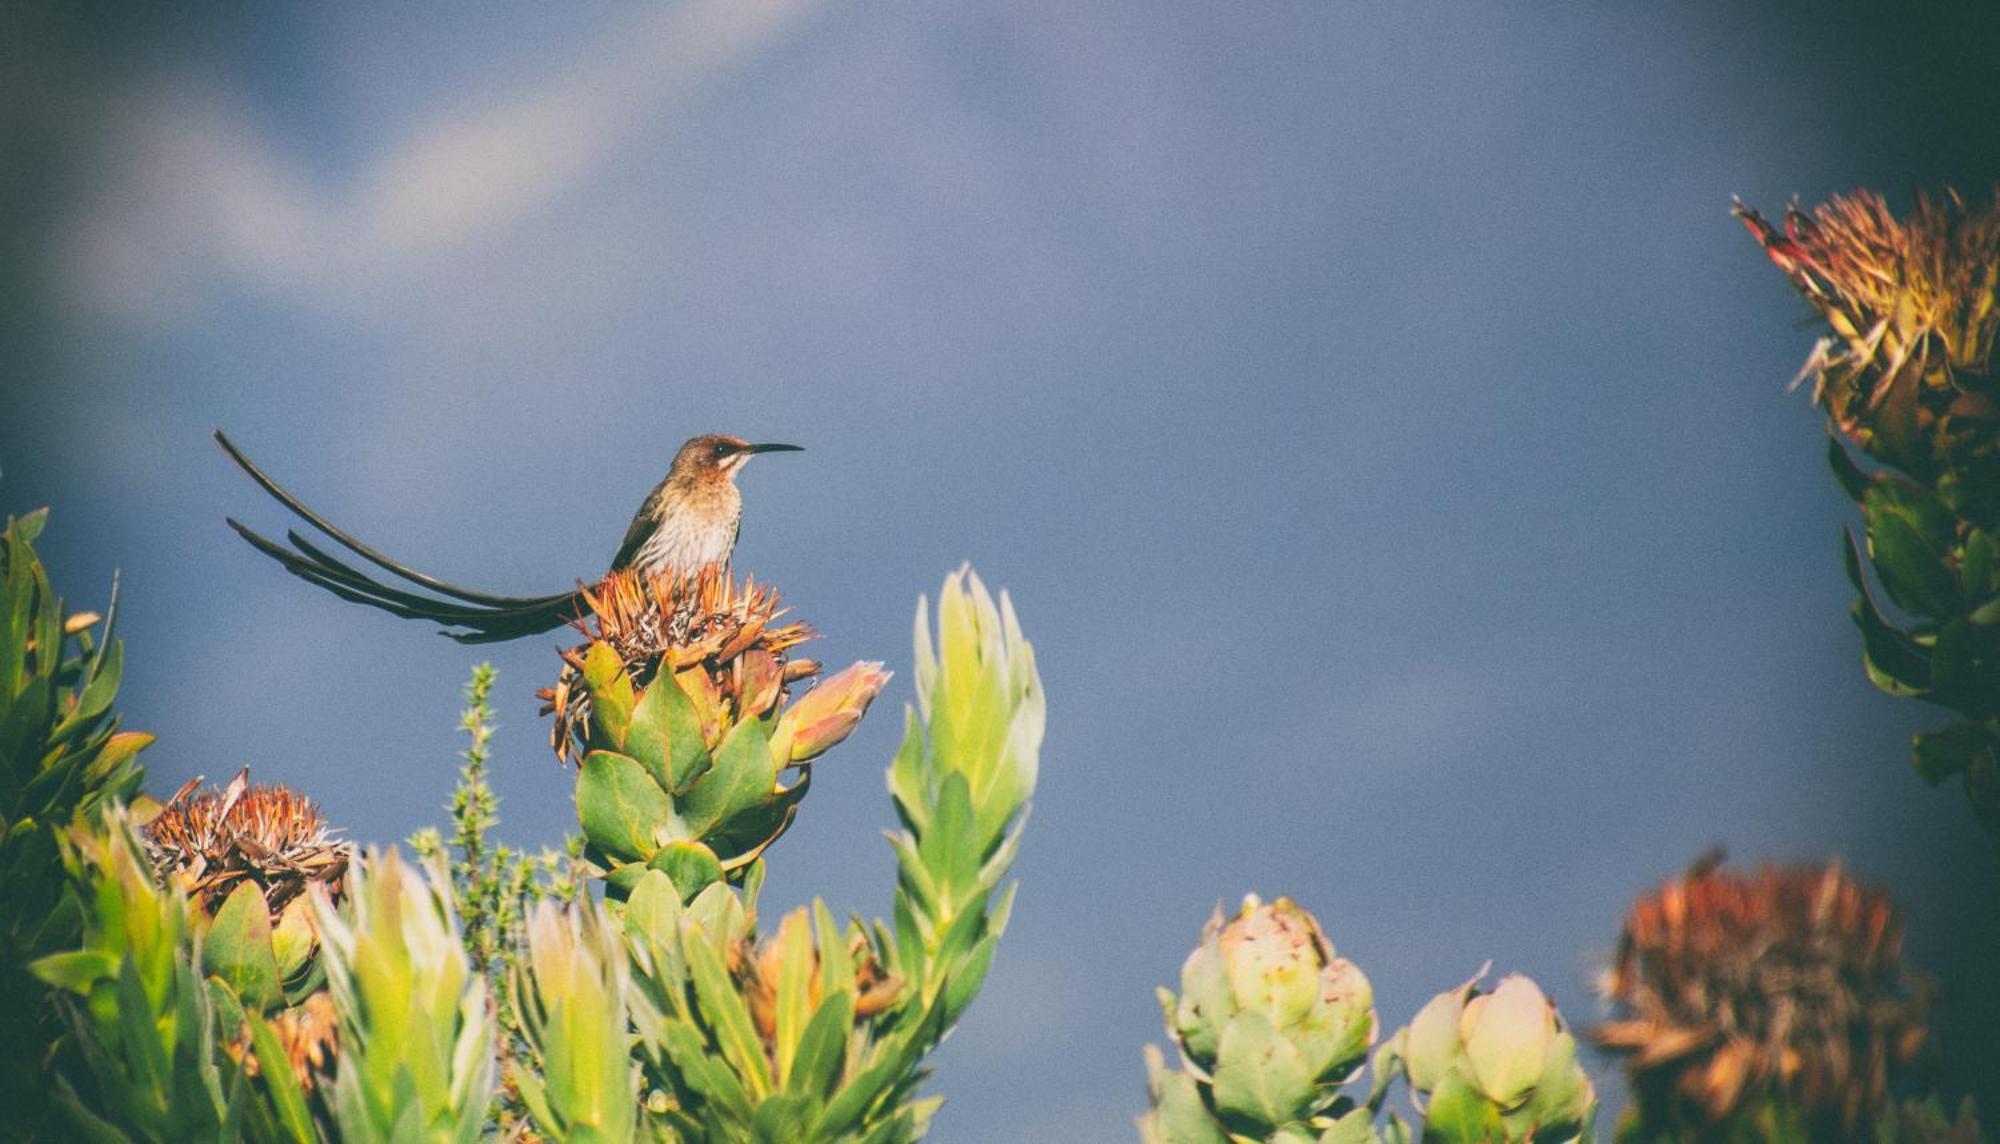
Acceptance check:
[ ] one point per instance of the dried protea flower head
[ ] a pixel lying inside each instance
(720, 640)
(209, 841)
(1905, 371)
(1782, 991)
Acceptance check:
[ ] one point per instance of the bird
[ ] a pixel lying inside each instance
(687, 525)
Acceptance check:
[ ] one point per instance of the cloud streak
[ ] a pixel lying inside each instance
(197, 193)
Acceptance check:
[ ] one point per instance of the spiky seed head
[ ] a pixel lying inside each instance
(720, 639)
(1785, 985)
(1905, 370)
(209, 840)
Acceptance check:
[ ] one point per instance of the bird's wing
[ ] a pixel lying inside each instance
(643, 523)
(486, 617)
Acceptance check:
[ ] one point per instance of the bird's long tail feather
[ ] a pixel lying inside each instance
(468, 616)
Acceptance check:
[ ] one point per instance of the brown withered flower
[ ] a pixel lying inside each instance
(1905, 369)
(208, 841)
(1781, 992)
(309, 1032)
(721, 640)
(757, 967)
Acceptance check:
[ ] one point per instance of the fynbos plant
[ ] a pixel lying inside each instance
(1270, 1024)
(1272, 1027)
(61, 755)
(676, 705)
(416, 1028)
(818, 1032)
(1489, 1066)
(1905, 374)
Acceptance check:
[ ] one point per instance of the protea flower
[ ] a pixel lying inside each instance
(1497, 1065)
(1777, 999)
(210, 841)
(1270, 1023)
(719, 640)
(675, 707)
(1905, 371)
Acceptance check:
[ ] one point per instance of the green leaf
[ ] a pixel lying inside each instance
(692, 866)
(288, 1099)
(1978, 566)
(611, 698)
(783, 1118)
(1259, 1075)
(1457, 1112)
(1178, 1115)
(949, 849)
(77, 970)
(622, 810)
(238, 948)
(1909, 539)
(725, 1014)
(793, 1002)
(704, 1072)
(665, 735)
(1943, 753)
(822, 1046)
(744, 776)
(1895, 663)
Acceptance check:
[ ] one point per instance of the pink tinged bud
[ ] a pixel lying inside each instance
(828, 713)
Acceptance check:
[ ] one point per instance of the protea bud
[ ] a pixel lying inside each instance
(210, 841)
(416, 1027)
(1491, 1066)
(827, 713)
(1270, 1024)
(1778, 997)
(676, 706)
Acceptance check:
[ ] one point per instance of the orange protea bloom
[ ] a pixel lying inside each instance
(722, 642)
(1910, 305)
(1781, 988)
(210, 840)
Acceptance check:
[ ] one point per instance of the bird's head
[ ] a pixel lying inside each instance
(716, 456)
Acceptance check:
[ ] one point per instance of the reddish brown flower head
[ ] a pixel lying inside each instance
(309, 1032)
(720, 640)
(210, 840)
(1786, 985)
(1910, 306)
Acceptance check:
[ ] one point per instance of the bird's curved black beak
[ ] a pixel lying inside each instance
(774, 448)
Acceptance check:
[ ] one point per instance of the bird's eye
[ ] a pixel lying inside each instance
(721, 451)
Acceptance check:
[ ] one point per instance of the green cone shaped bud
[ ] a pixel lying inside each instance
(1269, 1021)
(1499, 1065)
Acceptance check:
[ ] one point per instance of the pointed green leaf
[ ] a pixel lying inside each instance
(622, 810)
(723, 1010)
(611, 698)
(822, 1046)
(238, 948)
(692, 866)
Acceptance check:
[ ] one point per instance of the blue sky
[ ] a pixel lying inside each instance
(1372, 409)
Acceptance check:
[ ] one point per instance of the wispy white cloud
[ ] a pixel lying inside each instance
(195, 190)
